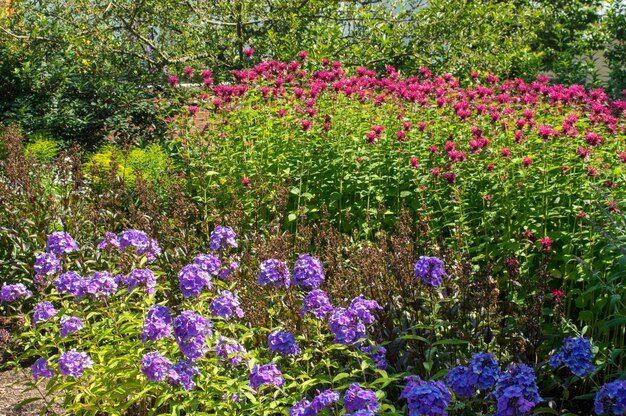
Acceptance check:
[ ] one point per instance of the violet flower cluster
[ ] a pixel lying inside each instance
(311, 408)
(41, 369)
(357, 399)
(575, 354)
(222, 237)
(426, 397)
(318, 303)
(154, 366)
(10, 293)
(430, 270)
(60, 243)
(182, 373)
(192, 279)
(265, 375)
(274, 272)
(157, 324)
(308, 272)
(47, 264)
(140, 242)
(377, 354)
(348, 325)
(141, 278)
(283, 342)
(611, 399)
(482, 373)
(190, 332)
(42, 312)
(209, 263)
(70, 324)
(226, 306)
(516, 391)
(229, 351)
(73, 363)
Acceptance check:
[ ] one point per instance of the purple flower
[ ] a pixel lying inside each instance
(154, 366)
(301, 408)
(158, 324)
(13, 292)
(430, 270)
(182, 373)
(140, 241)
(576, 355)
(323, 399)
(101, 283)
(283, 342)
(229, 350)
(226, 306)
(317, 301)
(486, 370)
(426, 397)
(41, 369)
(357, 398)
(462, 381)
(222, 237)
(611, 398)
(42, 312)
(232, 268)
(74, 363)
(190, 332)
(308, 272)
(274, 272)
(110, 242)
(266, 374)
(209, 263)
(192, 279)
(70, 324)
(71, 283)
(516, 391)
(141, 277)
(47, 264)
(60, 242)
(363, 308)
(346, 326)
(377, 355)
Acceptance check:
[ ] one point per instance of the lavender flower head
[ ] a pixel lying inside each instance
(576, 355)
(312, 408)
(74, 363)
(346, 326)
(274, 272)
(47, 264)
(426, 397)
(192, 279)
(485, 369)
(283, 342)
(462, 381)
(110, 241)
(209, 263)
(158, 324)
(182, 373)
(190, 332)
(516, 392)
(377, 355)
(141, 277)
(229, 351)
(13, 292)
(357, 398)
(100, 284)
(154, 366)
(42, 312)
(430, 270)
(41, 369)
(611, 398)
(317, 302)
(301, 408)
(266, 374)
(363, 308)
(140, 241)
(226, 306)
(308, 272)
(222, 237)
(71, 283)
(70, 324)
(60, 242)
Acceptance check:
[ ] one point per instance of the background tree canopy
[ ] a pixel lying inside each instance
(83, 68)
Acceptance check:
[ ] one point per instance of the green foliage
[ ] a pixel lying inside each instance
(151, 162)
(43, 150)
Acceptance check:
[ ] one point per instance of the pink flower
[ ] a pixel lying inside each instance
(414, 163)
(583, 152)
(593, 139)
(581, 214)
(188, 72)
(206, 73)
(248, 52)
(546, 243)
(435, 172)
(506, 153)
(192, 110)
(306, 125)
(401, 136)
(372, 137)
(303, 55)
(172, 80)
(378, 129)
(527, 162)
(491, 167)
(558, 295)
(245, 181)
(433, 149)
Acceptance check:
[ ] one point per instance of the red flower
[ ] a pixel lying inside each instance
(401, 136)
(248, 52)
(173, 81)
(506, 153)
(192, 110)
(546, 243)
(188, 72)
(245, 181)
(414, 163)
(491, 167)
(581, 214)
(558, 295)
(527, 162)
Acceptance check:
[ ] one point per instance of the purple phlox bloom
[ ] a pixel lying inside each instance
(154, 366)
(71, 283)
(110, 241)
(313, 407)
(274, 272)
(222, 237)
(47, 264)
(377, 354)
(140, 241)
(226, 306)
(611, 398)
(283, 342)
(575, 354)
(190, 332)
(346, 326)
(13, 292)
(357, 398)
(516, 391)
(230, 351)
(60, 242)
(267, 374)
(182, 373)
(317, 302)
(41, 369)
(192, 279)
(426, 397)
(227, 271)
(73, 363)
(308, 272)
(141, 277)
(363, 308)
(430, 270)
(101, 283)
(210, 263)
(157, 325)
(42, 312)
(70, 324)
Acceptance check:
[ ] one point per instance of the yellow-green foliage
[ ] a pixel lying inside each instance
(43, 150)
(151, 161)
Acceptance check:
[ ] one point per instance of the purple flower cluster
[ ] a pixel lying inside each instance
(317, 301)
(47, 264)
(426, 397)
(209, 263)
(140, 241)
(313, 407)
(358, 399)
(42, 312)
(70, 324)
(482, 373)
(192, 279)
(60, 242)
(154, 366)
(266, 374)
(611, 399)
(110, 241)
(141, 277)
(13, 292)
(190, 332)
(274, 272)
(516, 391)
(182, 373)
(430, 270)
(230, 350)
(41, 369)
(101, 283)
(283, 342)
(226, 271)
(348, 325)
(308, 272)
(222, 237)
(226, 306)
(73, 363)
(377, 354)
(576, 355)
(158, 324)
